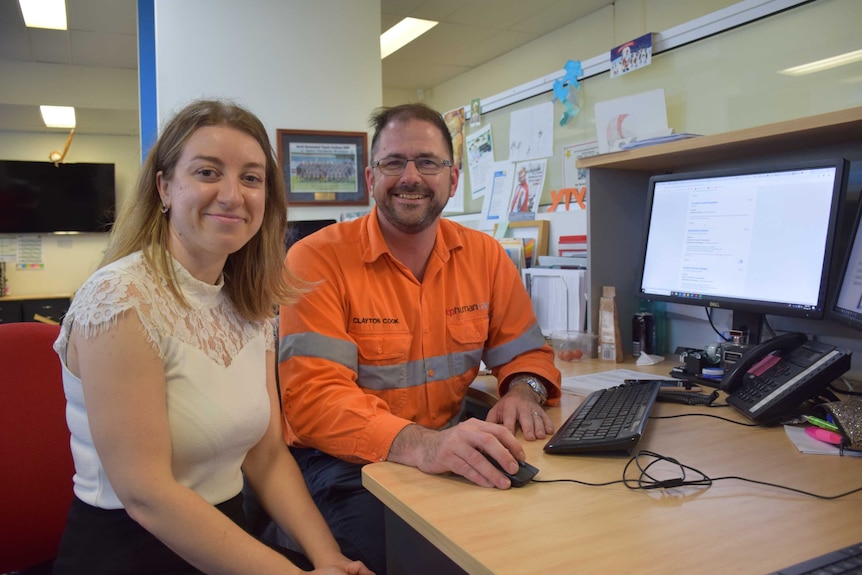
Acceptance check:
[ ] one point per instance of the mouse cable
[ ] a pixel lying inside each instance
(647, 481)
(644, 480)
(728, 420)
(644, 460)
(850, 387)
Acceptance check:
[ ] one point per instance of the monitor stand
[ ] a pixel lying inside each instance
(750, 323)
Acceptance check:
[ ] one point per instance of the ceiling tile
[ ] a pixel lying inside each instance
(439, 10)
(104, 50)
(50, 46)
(443, 43)
(14, 42)
(500, 14)
(405, 75)
(494, 47)
(98, 57)
(111, 122)
(17, 118)
(558, 14)
(112, 16)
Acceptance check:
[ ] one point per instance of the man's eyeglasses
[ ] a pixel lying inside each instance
(425, 165)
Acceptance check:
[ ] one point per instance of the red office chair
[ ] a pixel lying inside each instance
(36, 480)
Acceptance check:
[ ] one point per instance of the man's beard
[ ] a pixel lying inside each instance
(411, 220)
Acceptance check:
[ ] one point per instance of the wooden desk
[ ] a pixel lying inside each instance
(565, 528)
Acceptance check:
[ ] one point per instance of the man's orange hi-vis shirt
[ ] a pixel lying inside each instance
(369, 349)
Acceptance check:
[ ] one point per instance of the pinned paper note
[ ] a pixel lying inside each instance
(625, 119)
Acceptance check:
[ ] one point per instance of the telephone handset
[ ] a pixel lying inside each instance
(772, 379)
(733, 378)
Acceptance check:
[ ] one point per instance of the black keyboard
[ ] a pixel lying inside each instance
(610, 419)
(846, 561)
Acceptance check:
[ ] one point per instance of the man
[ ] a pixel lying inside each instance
(376, 359)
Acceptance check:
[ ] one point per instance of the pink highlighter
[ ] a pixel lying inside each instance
(824, 435)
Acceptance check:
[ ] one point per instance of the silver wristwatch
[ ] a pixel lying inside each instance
(534, 384)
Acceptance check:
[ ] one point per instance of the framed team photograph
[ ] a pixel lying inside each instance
(323, 167)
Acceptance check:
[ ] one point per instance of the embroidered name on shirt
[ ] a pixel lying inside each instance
(467, 308)
(376, 320)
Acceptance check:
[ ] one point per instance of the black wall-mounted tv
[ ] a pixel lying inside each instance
(39, 197)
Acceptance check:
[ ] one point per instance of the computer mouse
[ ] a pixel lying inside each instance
(525, 472)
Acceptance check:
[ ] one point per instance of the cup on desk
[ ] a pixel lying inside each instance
(572, 345)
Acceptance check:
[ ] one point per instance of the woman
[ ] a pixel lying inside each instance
(169, 367)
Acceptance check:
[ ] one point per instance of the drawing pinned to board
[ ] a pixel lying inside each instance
(528, 185)
(475, 112)
(631, 55)
(480, 158)
(455, 122)
(623, 120)
(563, 88)
(531, 133)
(574, 177)
(573, 194)
(497, 193)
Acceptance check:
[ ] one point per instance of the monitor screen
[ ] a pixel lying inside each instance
(39, 197)
(847, 304)
(298, 229)
(755, 239)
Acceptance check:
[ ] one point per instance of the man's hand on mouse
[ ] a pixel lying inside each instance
(460, 450)
(519, 407)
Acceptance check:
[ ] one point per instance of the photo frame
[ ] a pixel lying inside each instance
(535, 234)
(323, 167)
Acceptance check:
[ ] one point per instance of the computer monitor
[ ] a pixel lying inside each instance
(298, 229)
(846, 305)
(755, 240)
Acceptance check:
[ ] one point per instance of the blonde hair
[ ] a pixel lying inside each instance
(255, 277)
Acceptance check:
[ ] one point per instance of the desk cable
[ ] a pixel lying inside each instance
(687, 476)
(850, 387)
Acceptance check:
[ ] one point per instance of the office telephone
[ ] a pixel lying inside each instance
(772, 379)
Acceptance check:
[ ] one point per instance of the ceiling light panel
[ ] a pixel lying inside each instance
(403, 33)
(58, 116)
(49, 14)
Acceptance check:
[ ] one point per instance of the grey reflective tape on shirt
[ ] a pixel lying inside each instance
(528, 341)
(378, 377)
(310, 344)
(418, 372)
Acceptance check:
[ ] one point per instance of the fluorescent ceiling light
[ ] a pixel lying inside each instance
(403, 33)
(824, 64)
(58, 116)
(49, 14)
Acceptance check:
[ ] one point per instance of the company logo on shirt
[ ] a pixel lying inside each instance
(467, 308)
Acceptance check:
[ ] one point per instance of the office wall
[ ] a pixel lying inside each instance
(269, 55)
(296, 64)
(69, 259)
(722, 83)
(588, 37)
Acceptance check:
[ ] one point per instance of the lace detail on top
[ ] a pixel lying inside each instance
(211, 324)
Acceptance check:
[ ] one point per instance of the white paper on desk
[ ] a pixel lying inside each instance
(558, 298)
(807, 444)
(586, 384)
(648, 359)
